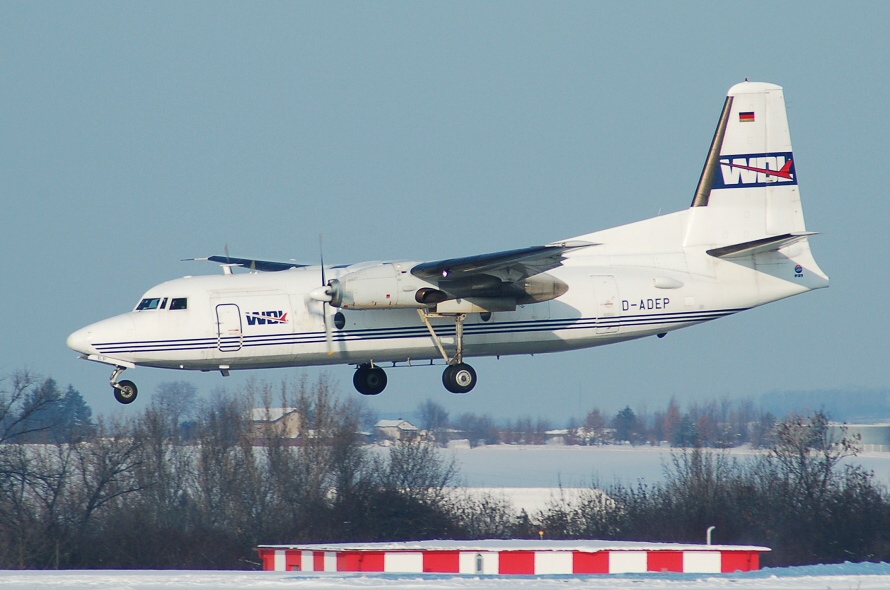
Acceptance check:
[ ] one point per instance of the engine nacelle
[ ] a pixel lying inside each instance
(384, 286)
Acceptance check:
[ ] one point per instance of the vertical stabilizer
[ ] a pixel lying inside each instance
(748, 188)
(746, 211)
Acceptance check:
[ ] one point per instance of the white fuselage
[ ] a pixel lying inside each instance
(616, 292)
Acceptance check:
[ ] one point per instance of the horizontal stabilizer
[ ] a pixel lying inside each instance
(759, 246)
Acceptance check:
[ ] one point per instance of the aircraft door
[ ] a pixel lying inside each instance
(228, 322)
(608, 306)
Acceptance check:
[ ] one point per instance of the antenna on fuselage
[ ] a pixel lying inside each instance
(227, 267)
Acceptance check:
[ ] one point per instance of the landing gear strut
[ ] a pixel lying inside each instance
(459, 377)
(369, 380)
(124, 391)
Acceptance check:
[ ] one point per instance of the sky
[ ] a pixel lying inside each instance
(138, 134)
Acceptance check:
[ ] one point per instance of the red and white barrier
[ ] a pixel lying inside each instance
(511, 557)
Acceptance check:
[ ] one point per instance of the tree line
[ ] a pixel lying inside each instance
(713, 424)
(182, 484)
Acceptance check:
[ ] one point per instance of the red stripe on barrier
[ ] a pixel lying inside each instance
(318, 561)
(516, 562)
(739, 561)
(590, 563)
(441, 562)
(360, 561)
(268, 558)
(292, 560)
(664, 561)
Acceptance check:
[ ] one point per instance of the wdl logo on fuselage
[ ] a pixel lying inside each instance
(756, 170)
(260, 318)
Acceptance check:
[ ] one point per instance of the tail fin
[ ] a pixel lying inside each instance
(749, 182)
(747, 200)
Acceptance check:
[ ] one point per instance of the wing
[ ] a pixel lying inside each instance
(501, 274)
(252, 264)
(508, 266)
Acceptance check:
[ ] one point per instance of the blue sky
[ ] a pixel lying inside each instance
(135, 135)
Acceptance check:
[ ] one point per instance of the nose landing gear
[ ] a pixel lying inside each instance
(124, 391)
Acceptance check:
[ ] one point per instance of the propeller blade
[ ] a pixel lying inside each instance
(328, 331)
(321, 259)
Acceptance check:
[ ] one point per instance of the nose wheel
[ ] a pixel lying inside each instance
(124, 391)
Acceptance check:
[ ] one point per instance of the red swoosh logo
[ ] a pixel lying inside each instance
(281, 320)
(785, 172)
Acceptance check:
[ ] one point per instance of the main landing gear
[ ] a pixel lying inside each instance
(124, 391)
(459, 377)
(369, 380)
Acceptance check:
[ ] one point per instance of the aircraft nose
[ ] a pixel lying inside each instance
(111, 332)
(80, 341)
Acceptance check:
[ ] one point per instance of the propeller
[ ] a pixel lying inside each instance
(328, 335)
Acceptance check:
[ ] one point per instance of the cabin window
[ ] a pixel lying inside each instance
(179, 303)
(148, 303)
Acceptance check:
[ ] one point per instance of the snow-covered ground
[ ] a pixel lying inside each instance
(532, 476)
(543, 466)
(843, 576)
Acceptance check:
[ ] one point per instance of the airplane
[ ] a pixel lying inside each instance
(742, 243)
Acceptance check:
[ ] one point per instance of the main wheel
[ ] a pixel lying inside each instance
(459, 378)
(125, 392)
(369, 380)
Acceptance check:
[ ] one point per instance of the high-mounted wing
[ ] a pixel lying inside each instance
(493, 282)
(511, 276)
(252, 264)
(508, 266)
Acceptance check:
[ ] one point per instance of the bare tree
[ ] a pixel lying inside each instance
(21, 401)
(807, 453)
(177, 400)
(434, 419)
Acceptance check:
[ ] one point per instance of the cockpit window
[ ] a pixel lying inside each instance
(148, 303)
(179, 303)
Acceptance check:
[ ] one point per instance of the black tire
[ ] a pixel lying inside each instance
(459, 378)
(446, 378)
(125, 392)
(369, 380)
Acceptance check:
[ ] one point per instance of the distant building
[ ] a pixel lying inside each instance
(396, 430)
(556, 437)
(284, 422)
